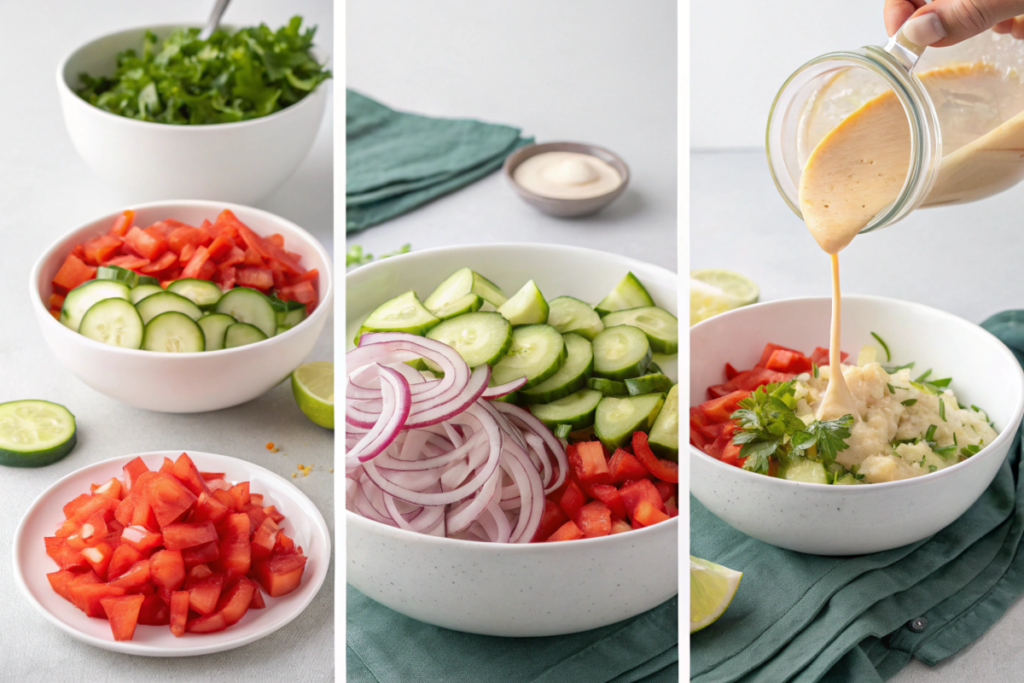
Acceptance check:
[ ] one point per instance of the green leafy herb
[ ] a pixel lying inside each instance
(930, 434)
(932, 468)
(942, 409)
(355, 256)
(945, 450)
(229, 77)
(924, 376)
(894, 370)
(885, 347)
(814, 369)
(829, 436)
(892, 389)
(909, 402)
(404, 249)
(969, 450)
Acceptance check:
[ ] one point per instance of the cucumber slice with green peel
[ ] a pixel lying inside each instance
(157, 304)
(129, 277)
(653, 368)
(214, 326)
(35, 433)
(249, 306)
(479, 337)
(618, 418)
(562, 431)
(537, 352)
(142, 291)
(242, 334)
(576, 410)
(571, 377)
(291, 319)
(805, 470)
(464, 304)
(660, 326)
(115, 322)
(567, 314)
(173, 332)
(526, 307)
(284, 308)
(80, 299)
(202, 293)
(404, 313)
(621, 352)
(628, 293)
(460, 283)
(648, 384)
(664, 436)
(608, 387)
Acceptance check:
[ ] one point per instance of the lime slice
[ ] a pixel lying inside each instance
(313, 388)
(707, 300)
(35, 433)
(712, 588)
(741, 288)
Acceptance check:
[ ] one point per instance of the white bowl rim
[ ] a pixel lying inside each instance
(152, 650)
(410, 536)
(323, 306)
(63, 85)
(1006, 435)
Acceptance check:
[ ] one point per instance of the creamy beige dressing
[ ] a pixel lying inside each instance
(566, 175)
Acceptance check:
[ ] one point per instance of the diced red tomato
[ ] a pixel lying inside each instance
(721, 409)
(168, 259)
(167, 570)
(235, 549)
(792, 362)
(642, 490)
(123, 614)
(204, 592)
(594, 519)
(101, 248)
(154, 611)
(567, 532)
(147, 244)
(609, 495)
(179, 612)
(257, 278)
(646, 514)
(572, 499)
(168, 498)
(123, 223)
(211, 623)
(200, 554)
(550, 521)
(235, 601)
(181, 535)
(281, 574)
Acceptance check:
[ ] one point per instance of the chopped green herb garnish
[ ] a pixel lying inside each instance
(941, 383)
(932, 468)
(892, 389)
(893, 371)
(944, 451)
(885, 347)
(355, 256)
(942, 409)
(930, 434)
(909, 402)
(814, 369)
(924, 375)
(969, 450)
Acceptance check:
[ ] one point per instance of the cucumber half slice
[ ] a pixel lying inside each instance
(608, 387)
(142, 291)
(173, 332)
(114, 322)
(660, 326)
(571, 377)
(537, 352)
(164, 302)
(628, 293)
(242, 334)
(214, 326)
(464, 304)
(129, 277)
(35, 433)
(648, 384)
(460, 283)
(621, 352)
(80, 299)
(618, 418)
(576, 410)
(664, 437)
(567, 314)
(202, 293)
(404, 313)
(249, 306)
(526, 307)
(479, 337)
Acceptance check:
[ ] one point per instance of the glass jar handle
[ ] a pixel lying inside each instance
(904, 51)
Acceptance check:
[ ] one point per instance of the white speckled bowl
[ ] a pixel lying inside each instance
(504, 589)
(852, 520)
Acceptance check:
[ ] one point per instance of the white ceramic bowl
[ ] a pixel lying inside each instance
(239, 162)
(852, 520)
(185, 382)
(511, 589)
(303, 522)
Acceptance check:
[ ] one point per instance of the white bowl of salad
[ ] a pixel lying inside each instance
(183, 306)
(469, 512)
(939, 400)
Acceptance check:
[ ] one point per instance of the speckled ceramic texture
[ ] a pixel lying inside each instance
(852, 520)
(504, 589)
(566, 207)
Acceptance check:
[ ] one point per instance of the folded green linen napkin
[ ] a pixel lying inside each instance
(805, 618)
(386, 647)
(396, 161)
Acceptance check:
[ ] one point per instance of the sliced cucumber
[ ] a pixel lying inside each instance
(129, 277)
(628, 293)
(173, 332)
(664, 438)
(807, 471)
(80, 299)
(202, 293)
(464, 304)
(241, 334)
(404, 313)
(648, 384)
(479, 337)
(653, 369)
(460, 283)
(621, 352)
(576, 410)
(155, 305)
(526, 307)
(571, 377)
(562, 431)
(288, 313)
(115, 322)
(249, 306)
(35, 433)
(567, 314)
(618, 418)
(608, 387)
(142, 291)
(214, 326)
(660, 326)
(537, 352)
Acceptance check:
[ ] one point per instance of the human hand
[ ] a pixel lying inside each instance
(947, 22)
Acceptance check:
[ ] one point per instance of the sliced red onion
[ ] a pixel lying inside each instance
(397, 401)
(505, 389)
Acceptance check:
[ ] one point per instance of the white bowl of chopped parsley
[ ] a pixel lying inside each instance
(158, 113)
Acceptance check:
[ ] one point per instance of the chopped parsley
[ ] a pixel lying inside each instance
(894, 370)
(909, 402)
(885, 347)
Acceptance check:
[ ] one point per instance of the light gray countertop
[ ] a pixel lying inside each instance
(46, 191)
(963, 259)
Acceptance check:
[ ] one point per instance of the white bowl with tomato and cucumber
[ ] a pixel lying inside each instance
(511, 437)
(183, 306)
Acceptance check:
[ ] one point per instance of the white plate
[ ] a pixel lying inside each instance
(303, 523)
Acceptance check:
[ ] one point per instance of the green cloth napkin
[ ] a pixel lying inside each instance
(805, 618)
(387, 647)
(396, 161)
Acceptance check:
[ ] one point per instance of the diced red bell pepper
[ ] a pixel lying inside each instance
(550, 521)
(280, 574)
(589, 464)
(609, 495)
(56, 302)
(98, 557)
(256, 517)
(167, 570)
(129, 261)
(716, 448)
(135, 579)
(235, 601)
(721, 409)
(187, 473)
(730, 371)
(240, 495)
(132, 471)
(253, 258)
(100, 249)
(201, 554)
(572, 499)
(93, 504)
(209, 507)
(64, 555)
(285, 545)
(73, 272)
(625, 466)
(123, 614)
(594, 519)
(646, 514)
(183, 236)
(186, 254)
(820, 357)
(141, 538)
(194, 269)
(619, 525)
(257, 278)
(793, 362)
(567, 532)
(143, 515)
(124, 556)
(303, 292)
(665, 470)
(268, 250)
(181, 535)
(666, 490)
(638, 491)
(769, 349)
(273, 513)
(265, 538)
(167, 466)
(731, 455)
(111, 488)
(154, 611)
(60, 582)
(211, 623)
(87, 597)
(147, 244)
(168, 259)
(221, 248)
(235, 549)
(168, 498)
(123, 223)
(257, 598)
(179, 612)
(204, 592)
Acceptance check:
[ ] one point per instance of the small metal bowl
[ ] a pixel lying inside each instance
(566, 207)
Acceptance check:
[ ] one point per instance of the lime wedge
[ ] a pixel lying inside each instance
(313, 388)
(712, 588)
(35, 433)
(741, 288)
